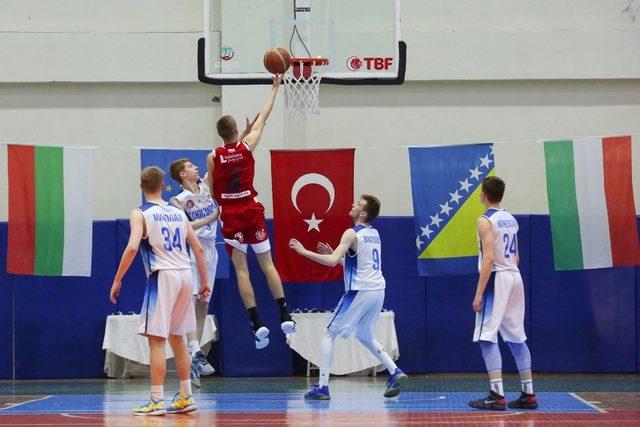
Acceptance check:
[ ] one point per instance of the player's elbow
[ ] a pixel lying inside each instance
(131, 250)
(488, 259)
(333, 261)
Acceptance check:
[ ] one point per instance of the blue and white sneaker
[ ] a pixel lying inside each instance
(289, 326)
(202, 365)
(195, 376)
(318, 393)
(262, 337)
(394, 383)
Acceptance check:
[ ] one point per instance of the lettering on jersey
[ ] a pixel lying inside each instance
(236, 195)
(201, 213)
(162, 217)
(506, 223)
(231, 157)
(371, 239)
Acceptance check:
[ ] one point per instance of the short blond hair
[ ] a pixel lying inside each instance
(151, 179)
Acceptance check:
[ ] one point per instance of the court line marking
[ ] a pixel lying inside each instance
(64, 414)
(15, 405)
(586, 402)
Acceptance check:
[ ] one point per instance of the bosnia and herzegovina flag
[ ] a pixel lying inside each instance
(50, 210)
(163, 157)
(445, 183)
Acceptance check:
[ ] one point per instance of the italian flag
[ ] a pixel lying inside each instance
(50, 211)
(590, 192)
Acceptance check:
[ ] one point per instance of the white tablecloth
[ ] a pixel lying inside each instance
(127, 353)
(349, 355)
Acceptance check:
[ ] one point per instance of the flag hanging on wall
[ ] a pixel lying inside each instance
(591, 206)
(50, 210)
(312, 197)
(163, 158)
(445, 184)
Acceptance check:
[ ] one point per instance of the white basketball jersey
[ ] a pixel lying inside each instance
(505, 240)
(363, 269)
(165, 245)
(198, 206)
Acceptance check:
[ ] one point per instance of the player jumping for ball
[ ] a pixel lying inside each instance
(231, 169)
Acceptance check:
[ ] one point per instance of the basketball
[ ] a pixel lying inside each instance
(277, 60)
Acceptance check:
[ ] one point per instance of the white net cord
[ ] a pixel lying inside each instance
(302, 94)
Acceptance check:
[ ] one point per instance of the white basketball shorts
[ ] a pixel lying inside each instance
(167, 308)
(502, 309)
(211, 256)
(357, 310)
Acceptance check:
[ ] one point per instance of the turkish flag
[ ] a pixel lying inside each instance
(312, 197)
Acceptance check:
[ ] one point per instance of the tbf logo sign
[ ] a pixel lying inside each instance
(372, 63)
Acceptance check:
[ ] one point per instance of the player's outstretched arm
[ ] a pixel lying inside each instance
(486, 237)
(201, 261)
(325, 248)
(347, 241)
(137, 230)
(256, 131)
(247, 127)
(209, 174)
(199, 223)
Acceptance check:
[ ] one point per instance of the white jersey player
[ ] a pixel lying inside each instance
(499, 300)
(202, 211)
(167, 312)
(360, 252)
(164, 247)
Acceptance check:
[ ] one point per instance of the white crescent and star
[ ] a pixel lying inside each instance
(308, 179)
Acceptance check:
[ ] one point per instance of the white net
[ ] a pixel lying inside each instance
(302, 94)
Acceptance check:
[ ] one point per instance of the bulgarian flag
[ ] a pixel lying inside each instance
(590, 193)
(50, 211)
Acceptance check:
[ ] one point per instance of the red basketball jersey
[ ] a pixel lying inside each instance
(233, 174)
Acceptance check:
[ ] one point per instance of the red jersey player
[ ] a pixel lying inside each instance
(231, 170)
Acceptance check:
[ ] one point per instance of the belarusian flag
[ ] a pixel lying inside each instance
(50, 211)
(590, 192)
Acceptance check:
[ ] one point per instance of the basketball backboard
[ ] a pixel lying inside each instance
(361, 39)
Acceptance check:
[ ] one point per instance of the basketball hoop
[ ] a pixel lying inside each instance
(302, 85)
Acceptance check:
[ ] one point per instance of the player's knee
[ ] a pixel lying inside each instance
(488, 348)
(519, 350)
(365, 338)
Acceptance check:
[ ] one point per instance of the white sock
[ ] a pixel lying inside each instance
(527, 386)
(378, 350)
(324, 377)
(157, 393)
(185, 387)
(194, 347)
(326, 358)
(496, 386)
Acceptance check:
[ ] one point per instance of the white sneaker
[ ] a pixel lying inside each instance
(262, 337)
(288, 327)
(199, 360)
